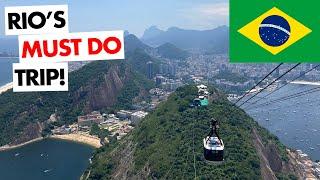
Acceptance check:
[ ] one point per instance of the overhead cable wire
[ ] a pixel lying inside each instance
(269, 94)
(299, 103)
(270, 84)
(258, 83)
(284, 98)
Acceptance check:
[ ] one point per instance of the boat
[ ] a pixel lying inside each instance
(17, 154)
(312, 149)
(90, 159)
(47, 170)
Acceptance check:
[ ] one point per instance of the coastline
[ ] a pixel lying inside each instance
(8, 147)
(79, 138)
(306, 83)
(6, 87)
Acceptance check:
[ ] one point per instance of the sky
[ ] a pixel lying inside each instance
(135, 15)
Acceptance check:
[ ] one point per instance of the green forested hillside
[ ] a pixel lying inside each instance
(162, 146)
(100, 85)
(168, 50)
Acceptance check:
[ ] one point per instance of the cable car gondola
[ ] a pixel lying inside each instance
(196, 102)
(212, 144)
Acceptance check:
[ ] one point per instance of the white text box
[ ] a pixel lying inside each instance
(40, 77)
(36, 19)
(85, 46)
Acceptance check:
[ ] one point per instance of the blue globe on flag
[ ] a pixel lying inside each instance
(274, 31)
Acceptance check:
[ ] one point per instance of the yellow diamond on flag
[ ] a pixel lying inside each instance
(274, 31)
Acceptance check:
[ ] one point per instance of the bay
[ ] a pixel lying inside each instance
(296, 122)
(48, 159)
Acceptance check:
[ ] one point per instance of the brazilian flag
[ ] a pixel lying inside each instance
(274, 31)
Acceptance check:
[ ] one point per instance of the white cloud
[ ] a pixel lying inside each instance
(219, 9)
(206, 15)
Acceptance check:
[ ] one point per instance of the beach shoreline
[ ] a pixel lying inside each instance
(6, 87)
(10, 147)
(75, 137)
(79, 138)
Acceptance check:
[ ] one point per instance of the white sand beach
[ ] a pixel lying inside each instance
(81, 138)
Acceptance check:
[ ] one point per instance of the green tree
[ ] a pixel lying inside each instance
(95, 130)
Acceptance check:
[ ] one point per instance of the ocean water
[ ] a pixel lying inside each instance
(296, 122)
(6, 70)
(47, 159)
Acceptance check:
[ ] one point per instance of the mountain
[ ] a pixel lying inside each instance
(126, 33)
(100, 85)
(167, 50)
(170, 51)
(167, 144)
(152, 32)
(133, 43)
(213, 41)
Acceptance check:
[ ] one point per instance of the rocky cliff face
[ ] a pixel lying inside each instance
(271, 162)
(31, 131)
(103, 93)
(274, 158)
(106, 94)
(270, 159)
